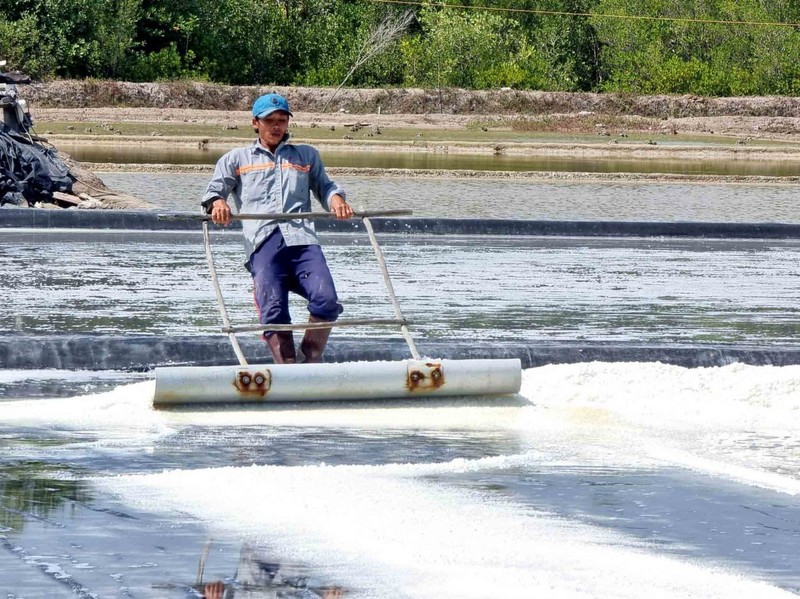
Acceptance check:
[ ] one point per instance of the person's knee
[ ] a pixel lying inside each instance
(323, 302)
(325, 308)
(277, 313)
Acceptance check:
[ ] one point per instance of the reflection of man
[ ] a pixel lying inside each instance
(257, 578)
(274, 176)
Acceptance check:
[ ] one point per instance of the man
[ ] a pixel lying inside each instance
(269, 176)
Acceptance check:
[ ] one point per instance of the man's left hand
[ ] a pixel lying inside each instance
(340, 208)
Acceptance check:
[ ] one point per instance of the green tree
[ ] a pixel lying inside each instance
(703, 57)
(477, 48)
(564, 38)
(115, 33)
(75, 38)
(239, 41)
(24, 47)
(461, 48)
(165, 34)
(333, 43)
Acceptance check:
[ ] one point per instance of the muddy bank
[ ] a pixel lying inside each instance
(234, 124)
(765, 118)
(89, 185)
(195, 95)
(621, 149)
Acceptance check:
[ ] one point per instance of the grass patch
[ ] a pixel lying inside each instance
(584, 123)
(582, 129)
(412, 135)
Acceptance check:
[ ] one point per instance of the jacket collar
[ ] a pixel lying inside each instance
(258, 147)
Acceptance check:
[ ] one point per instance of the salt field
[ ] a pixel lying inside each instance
(599, 479)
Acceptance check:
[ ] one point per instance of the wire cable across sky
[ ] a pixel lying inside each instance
(561, 13)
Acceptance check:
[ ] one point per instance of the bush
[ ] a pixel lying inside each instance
(163, 65)
(21, 44)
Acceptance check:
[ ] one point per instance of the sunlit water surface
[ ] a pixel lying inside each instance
(458, 198)
(676, 482)
(597, 480)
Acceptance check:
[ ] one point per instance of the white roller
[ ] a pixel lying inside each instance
(267, 383)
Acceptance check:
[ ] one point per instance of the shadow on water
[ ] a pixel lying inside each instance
(368, 406)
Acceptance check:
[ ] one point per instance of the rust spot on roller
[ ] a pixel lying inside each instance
(425, 377)
(252, 384)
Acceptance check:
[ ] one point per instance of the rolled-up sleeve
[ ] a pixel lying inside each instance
(224, 180)
(320, 184)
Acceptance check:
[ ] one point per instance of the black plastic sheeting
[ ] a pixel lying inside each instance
(149, 220)
(143, 353)
(29, 172)
(14, 77)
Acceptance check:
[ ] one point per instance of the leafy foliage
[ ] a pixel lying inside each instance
(638, 46)
(707, 58)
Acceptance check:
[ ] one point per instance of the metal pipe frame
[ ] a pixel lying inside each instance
(231, 330)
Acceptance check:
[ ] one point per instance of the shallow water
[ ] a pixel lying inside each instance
(426, 160)
(460, 198)
(597, 480)
(676, 482)
(489, 289)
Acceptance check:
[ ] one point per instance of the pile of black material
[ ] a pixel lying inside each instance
(29, 171)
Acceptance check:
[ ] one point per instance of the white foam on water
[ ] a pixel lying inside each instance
(645, 394)
(665, 396)
(389, 530)
(624, 414)
(658, 415)
(386, 531)
(734, 472)
(125, 410)
(15, 376)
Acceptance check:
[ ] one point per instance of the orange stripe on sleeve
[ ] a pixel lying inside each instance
(303, 168)
(254, 167)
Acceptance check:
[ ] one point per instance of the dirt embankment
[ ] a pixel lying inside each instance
(764, 118)
(206, 96)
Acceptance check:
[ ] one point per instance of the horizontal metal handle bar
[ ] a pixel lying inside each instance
(250, 328)
(281, 215)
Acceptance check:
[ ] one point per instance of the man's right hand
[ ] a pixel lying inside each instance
(220, 212)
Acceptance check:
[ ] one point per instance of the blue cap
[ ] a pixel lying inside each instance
(268, 104)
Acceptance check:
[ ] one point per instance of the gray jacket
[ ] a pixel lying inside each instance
(263, 182)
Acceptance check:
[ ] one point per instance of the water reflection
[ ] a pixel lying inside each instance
(121, 154)
(668, 508)
(34, 489)
(258, 576)
(60, 383)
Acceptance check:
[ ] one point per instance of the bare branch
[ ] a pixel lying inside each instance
(388, 30)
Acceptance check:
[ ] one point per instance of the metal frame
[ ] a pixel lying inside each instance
(231, 330)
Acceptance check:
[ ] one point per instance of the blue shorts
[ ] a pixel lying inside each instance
(278, 269)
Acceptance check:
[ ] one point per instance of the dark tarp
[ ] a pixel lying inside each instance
(15, 77)
(29, 173)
